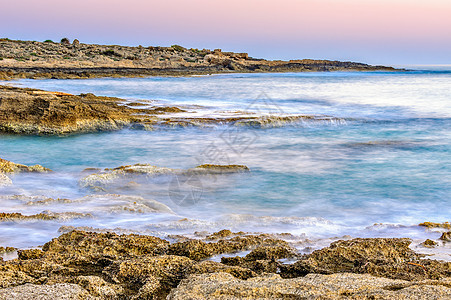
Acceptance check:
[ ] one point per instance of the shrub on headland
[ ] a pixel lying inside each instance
(111, 53)
(178, 48)
(48, 41)
(65, 41)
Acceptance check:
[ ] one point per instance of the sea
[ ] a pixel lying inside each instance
(375, 161)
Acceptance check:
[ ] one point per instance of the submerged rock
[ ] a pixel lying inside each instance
(5, 180)
(46, 216)
(218, 169)
(445, 225)
(429, 243)
(110, 176)
(114, 203)
(10, 167)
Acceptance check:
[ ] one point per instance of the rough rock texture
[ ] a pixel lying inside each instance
(445, 225)
(312, 286)
(446, 236)
(29, 111)
(27, 59)
(111, 266)
(390, 258)
(97, 245)
(198, 250)
(55, 291)
(10, 167)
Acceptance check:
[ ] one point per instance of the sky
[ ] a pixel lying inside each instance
(396, 32)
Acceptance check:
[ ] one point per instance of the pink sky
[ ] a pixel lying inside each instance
(374, 31)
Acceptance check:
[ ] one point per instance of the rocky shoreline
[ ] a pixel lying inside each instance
(37, 60)
(36, 112)
(90, 265)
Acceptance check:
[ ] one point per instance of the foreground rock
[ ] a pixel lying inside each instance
(47, 216)
(111, 266)
(27, 59)
(391, 258)
(56, 291)
(312, 286)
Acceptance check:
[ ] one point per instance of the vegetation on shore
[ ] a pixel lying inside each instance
(31, 59)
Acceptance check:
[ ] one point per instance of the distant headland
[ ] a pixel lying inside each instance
(67, 60)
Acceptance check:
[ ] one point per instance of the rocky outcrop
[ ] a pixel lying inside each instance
(110, 266)
(391, 258)
(446, 236)
(445, 225)
(29, 111)
(10, 167)
(27, 59)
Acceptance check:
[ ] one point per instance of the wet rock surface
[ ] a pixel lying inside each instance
(45, 216)
(36, 112)
(5, 180)
(30, 111)
(107, 178)
(30, 59)
(110, 266)
(10, 167)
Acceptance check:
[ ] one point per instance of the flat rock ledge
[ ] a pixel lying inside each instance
(312, 286)
(29, 291)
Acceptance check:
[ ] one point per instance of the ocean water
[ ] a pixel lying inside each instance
(377, 168)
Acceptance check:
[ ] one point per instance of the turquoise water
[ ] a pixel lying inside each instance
(388, 161)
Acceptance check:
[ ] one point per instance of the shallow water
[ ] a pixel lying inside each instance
(387, 162)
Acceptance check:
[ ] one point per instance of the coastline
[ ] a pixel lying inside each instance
(98, 264)
(40, 60)
(30, 111)
(104, 265)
